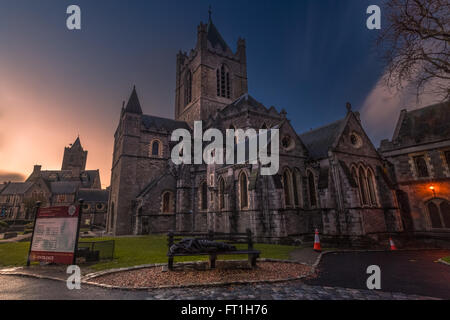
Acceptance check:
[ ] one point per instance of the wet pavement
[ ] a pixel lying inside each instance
(410, 272)
(25, 288)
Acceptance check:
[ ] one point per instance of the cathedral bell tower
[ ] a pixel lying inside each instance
(74, 157)
(210, 77)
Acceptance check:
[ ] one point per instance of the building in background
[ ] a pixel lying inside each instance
(54, 187)
(18, 199)
(95, 207)
(419, 162)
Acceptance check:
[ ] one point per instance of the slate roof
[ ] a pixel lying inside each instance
(247, 101)
(424, 125)
(157, 123)
(215, 38)
(17, 188)
(91, 176)
(64, 187)
(91, 195)
(133, 105)
(319, 141)
(152, 184)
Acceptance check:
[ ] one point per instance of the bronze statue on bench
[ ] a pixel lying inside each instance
(204, 244)
(192, 245)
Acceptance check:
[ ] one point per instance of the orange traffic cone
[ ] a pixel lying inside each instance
(392, 244)
(317, 247)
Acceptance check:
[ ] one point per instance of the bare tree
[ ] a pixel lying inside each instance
(416, 43)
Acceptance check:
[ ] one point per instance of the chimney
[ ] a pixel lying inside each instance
(37, 169)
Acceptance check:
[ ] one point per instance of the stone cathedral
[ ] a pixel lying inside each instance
(331, 178)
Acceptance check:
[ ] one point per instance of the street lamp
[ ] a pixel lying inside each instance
(434, 190)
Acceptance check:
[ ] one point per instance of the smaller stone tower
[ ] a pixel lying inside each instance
(74, 157)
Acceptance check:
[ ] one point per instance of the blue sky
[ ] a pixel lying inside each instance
(307, 56)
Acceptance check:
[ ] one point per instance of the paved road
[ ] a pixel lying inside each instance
(16, 287)
(411, 272)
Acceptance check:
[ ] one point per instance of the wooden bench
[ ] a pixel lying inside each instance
(228, 238)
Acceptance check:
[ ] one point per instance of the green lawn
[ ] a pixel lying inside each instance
(130, 251)
(446, 259)
(13, 253)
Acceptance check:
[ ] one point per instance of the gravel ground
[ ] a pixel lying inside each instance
(157, 276)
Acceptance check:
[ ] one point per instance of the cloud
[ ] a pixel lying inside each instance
(11, 176)
(381, 109)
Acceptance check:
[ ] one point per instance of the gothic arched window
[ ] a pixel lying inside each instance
(433, 210)
(204, 198)
(188, 88)
(421, 166)
(312, 190)
(356, 180)
(155, 148)
(221, 193)
(447, 158)
(243, 187)
(167, 202)
(297, 187)
(362, 186)
(287, 185)
(439, 213)
(223, 82)
(445, 212)
(371, 185)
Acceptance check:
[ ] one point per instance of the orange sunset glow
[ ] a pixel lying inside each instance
(38, 121)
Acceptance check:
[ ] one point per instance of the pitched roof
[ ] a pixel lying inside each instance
(64, 187)
(424, 125)
(319, 141)
(247, 101)
(133, 105)
(91, 195)
(157, 123)
(87, 177)
(17, 188)
(215, 38)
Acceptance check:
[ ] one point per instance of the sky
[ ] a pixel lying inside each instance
(308, 57)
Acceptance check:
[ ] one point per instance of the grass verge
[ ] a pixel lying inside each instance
(131, 251)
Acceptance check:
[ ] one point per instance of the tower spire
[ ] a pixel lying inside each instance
(210, 14)
(133, 105)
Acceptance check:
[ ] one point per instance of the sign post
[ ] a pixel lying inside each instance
(36, 210)
(55, 235)
(80, 210)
